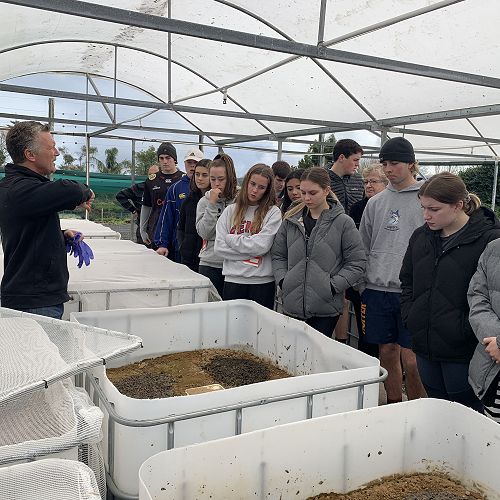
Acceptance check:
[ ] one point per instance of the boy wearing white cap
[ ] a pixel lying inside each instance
(165, 234)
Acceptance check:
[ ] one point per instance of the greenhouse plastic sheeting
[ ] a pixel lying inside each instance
(37, 351)
(432, 33)
(49, 479)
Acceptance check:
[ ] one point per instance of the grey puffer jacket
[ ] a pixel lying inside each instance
(317, 270)
(484, 317)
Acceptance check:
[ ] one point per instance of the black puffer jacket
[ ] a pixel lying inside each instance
(434, 288)
(188, 239)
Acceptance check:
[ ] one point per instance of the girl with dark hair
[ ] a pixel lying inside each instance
(439, 263)
(245, 234)
(223, 190)
(292, 189)
(317, 254)
(188, 239)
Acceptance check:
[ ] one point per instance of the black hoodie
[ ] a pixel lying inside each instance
(35, 266)
(434, 288)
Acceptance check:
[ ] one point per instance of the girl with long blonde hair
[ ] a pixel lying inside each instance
(244, 236)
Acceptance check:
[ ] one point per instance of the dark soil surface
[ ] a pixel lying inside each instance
(408, 487)
(171, 374)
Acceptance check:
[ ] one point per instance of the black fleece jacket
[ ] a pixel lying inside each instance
(434, 288)
(187, 237)
(35, 266)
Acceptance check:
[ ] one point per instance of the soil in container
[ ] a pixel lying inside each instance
(171, 374)
(434, 486)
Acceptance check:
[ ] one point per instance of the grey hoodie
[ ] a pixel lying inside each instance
(207, 215)
(316, 271)
(389, 219)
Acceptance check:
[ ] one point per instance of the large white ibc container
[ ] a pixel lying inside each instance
(127, 275)
(89, 229)
(316, 361)
(336, 453)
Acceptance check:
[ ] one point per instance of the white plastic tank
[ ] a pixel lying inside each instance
(337, 453)
(316, 361)
(90, 229)
(127, 275)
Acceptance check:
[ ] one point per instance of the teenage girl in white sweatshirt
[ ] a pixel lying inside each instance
(244, 236)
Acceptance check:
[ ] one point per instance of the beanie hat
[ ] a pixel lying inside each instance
(166, 148)
(397, 149)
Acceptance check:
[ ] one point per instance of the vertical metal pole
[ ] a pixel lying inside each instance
(51, 113)
(361, 396)
(238, 422)
(321, 28)
(170, 435)
(132, 179)
(383, 137)
(87, 144)
(322, 159)
(495, 181)
(51, 123)
(169, 55)
(280, 150)
(132, 170)
(114, 83)
(200, 141)
(309, 406)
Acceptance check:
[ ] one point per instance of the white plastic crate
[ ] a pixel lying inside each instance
(131, 276)
(317, 361)
(335, 453)
(89, 229)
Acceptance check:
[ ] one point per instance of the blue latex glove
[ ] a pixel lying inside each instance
(79, 249)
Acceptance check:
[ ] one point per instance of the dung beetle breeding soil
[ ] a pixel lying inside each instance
(171, 374)
(433, 486)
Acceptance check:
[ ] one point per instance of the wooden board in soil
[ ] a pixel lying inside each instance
(429, 486)
(171, 374)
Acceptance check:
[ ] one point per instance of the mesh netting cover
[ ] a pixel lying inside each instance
(47, 421)
(37, 351)
(48, 479)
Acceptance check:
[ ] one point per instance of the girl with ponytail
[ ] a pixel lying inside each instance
(439, 263)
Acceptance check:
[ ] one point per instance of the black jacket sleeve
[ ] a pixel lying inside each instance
(406, 278)
(44, 198)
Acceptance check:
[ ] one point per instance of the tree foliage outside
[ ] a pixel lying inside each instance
(69, 161)
(311, 159)
(479, 180)
(3, 148)
(111, 164)
(144, 159)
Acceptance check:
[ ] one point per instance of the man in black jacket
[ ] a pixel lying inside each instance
(36, 274)
(344, 181)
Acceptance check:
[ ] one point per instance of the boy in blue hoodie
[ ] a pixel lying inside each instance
(166, 228)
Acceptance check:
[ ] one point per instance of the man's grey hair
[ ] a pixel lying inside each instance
(23, 136)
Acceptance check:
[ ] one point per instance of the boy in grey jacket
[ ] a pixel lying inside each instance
(388, 222)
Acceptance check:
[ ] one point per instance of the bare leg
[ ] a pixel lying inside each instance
(390, 360)
(343, 324)
(414, 387)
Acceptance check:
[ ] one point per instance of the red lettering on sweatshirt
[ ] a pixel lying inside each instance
(244, 227)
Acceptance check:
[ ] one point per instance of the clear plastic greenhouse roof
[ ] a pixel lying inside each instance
(277, 70)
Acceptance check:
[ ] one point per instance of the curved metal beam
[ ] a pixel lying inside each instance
(138, 49)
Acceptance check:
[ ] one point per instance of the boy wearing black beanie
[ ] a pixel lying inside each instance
(155, 190)
(388, 221)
